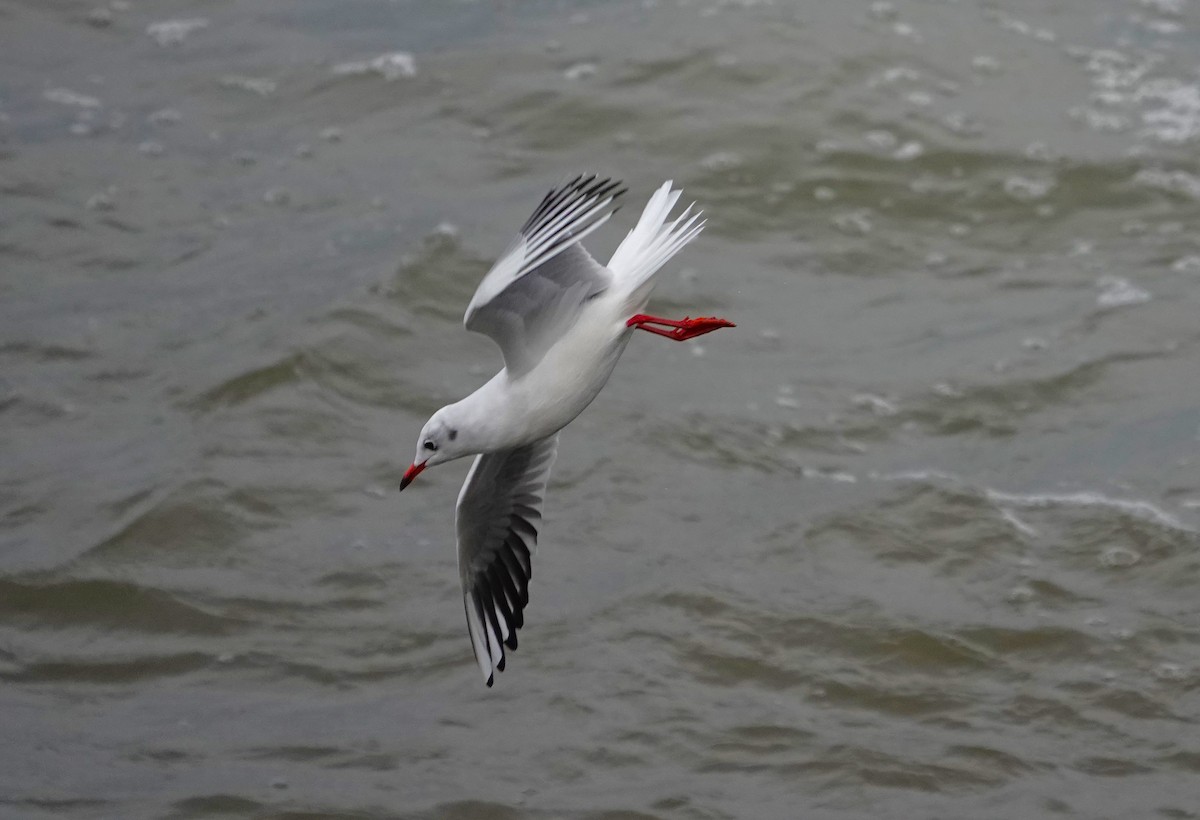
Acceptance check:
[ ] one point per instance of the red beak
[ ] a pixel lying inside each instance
(411, 473)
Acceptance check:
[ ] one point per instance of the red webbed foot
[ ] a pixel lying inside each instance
(678, 329)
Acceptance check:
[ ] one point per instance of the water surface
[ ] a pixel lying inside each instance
(918, 539)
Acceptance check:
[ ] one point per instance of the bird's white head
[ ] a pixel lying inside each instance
(441, 441)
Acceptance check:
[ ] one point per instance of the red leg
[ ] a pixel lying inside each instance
(683, 329)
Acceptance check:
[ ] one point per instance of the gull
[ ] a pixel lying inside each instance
(561, 321)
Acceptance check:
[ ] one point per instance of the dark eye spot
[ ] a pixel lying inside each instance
(453, 435)
(429, 445)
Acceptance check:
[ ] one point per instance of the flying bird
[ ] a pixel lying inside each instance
(561, 321)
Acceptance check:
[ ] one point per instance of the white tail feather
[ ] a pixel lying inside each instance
(652, 242)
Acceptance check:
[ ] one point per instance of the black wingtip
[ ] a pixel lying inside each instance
(489, 681)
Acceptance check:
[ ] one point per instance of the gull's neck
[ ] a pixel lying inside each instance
(487, 419)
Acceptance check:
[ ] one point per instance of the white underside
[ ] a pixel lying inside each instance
(556, 390)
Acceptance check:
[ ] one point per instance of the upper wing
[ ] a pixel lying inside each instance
(499, 509)
(534, 290)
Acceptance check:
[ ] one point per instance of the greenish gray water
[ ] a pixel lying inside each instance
(918, 539)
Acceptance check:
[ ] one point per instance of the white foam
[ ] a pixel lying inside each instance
(722, 161)
(1020, 594)
(1175, 117)
(1019, 525)
(1176, 182)
(580, 71)
(1116, 292)
(876, 404)
(1186, 264)
(961, 124)
(174, 32)
(985, 64)
(855, 223)
(103, 201)
(394, 65)
(164, 116)
(1026, 189)
(1166, 28)
(65, 96)
(1119, 557)
(1171, 672)
(882, 10)
(893, 75)
(909, 150)
(1137, 508)
(916, 475)
(100, 17)
(881, 139)
(838, 476)
(261, 86)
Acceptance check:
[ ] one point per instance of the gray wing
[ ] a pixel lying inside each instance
(499, 510)
(535, 290)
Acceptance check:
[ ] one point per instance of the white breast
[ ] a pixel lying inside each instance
(573, 371)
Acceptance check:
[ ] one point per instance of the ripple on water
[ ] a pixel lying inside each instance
(198, 520)
(474, 810)
(208, 805)
(129, 668)
(105, 604)
(775, 646)
(249, 384)
(437, 278)
(1119, 557)
(994, 409)
(354, 360)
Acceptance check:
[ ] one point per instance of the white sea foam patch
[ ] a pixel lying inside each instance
(1115, 292)
(1027, 189)
(1129, 89)
(1174, 109)
(262, 86)
(580, 71)
(916, 475)
(392, 66)
(876, 404)
(174, 32)
(65, 96)
(1137, 508)
(1175, 182)
(839, 476)
(1019, 525)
